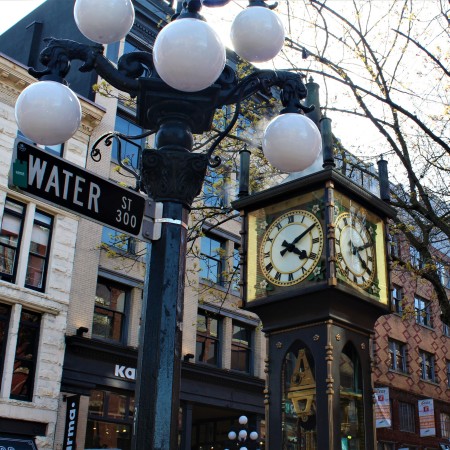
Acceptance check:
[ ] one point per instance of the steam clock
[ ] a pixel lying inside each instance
(315, 270)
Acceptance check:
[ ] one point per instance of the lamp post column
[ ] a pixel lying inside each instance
(172, 175)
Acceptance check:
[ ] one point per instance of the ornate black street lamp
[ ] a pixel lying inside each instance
(178, 98)
(243, 439)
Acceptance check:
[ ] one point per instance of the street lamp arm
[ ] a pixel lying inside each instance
(291, 85)
(58, 54)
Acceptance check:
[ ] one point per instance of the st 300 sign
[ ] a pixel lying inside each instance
(56, 181)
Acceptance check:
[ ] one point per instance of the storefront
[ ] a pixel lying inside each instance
(102, 376)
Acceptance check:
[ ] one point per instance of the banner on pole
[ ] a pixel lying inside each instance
(426, 417)
(382, 408)
(70, 430)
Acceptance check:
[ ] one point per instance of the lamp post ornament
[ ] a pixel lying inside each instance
(243, 439)
(188, 80)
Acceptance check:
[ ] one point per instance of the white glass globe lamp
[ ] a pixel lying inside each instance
(104, 21)
(291, 142)
(243, 420)
(48, 113)
(257, 34)
(242, 435)
(232, 435)
(253, 435)
(243, 448)
(189, 55)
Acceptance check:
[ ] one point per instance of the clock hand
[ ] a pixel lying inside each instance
(290, 247)
(362, 247)
(355, 251)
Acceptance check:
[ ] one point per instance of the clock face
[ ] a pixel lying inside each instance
(355, 250)
(291, 248)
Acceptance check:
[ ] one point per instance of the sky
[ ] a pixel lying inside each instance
(11, 11)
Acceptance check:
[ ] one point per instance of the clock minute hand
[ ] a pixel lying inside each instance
(355, 251)
(290, 247)
(362, 247)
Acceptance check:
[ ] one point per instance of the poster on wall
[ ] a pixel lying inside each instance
(426, 417)
(382, 408)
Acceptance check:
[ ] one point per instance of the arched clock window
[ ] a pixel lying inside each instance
(299, 399)
(351, 400)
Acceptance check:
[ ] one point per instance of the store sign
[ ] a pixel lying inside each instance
(59, 182)
(426, 417)
(16, 444)
(382, 408)
(128, 373)
(70, 430)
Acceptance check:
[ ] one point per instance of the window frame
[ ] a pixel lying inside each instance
(127, 290)
(415, 258)
(129, 242)
(30, 381)
(406, 417)
(393, 347)
(444, 421)
(121, 114)
(421, 319)
(448, 372)
(5, 319)
(424, 359)
(104, 417)
(11, 278)
(45, 258)
(397, 299)
(208, 336)
(219, 258)
(245, 348)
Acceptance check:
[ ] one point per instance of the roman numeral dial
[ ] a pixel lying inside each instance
(291, 248)
(355, 250)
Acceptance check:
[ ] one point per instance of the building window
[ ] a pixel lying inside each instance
(12, 227)
(415, 258)
(241, 347)
(395, 246)
(443, 274)
(397, 356)
(130, 151)
(406, 413)
(215, 189)
(26, 356)
(39, 251)
(10, 234)
(446, 329)
(423, 312)
(110, 419)
(236, 275)
(109, 312)
(5, 313)
(208, 338)
(448, 373)
(118, 240)
(397, 299)
(427, 366)
(212, 252)
(445, 425)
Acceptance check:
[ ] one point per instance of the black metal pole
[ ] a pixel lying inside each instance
(172, 175)
(159, 362)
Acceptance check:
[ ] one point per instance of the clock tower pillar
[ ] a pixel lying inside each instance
(314, 268)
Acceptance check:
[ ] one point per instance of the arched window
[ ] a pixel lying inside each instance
(299, 399)
(351, 400)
